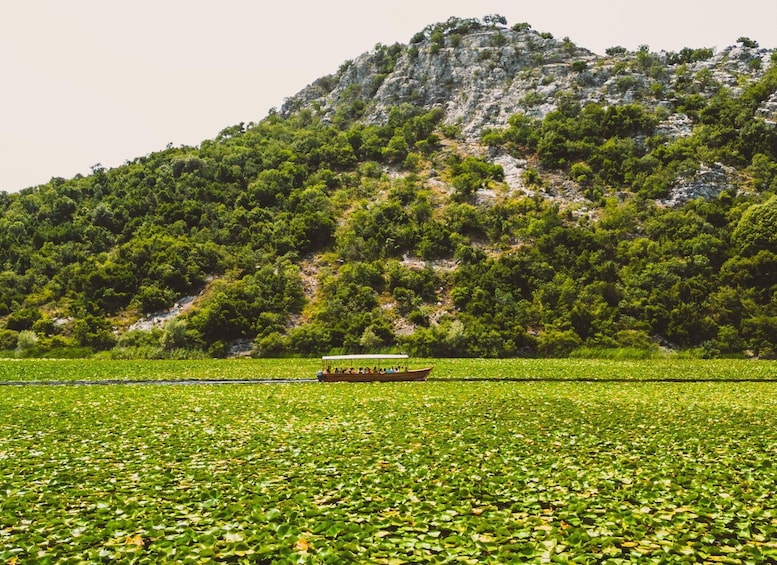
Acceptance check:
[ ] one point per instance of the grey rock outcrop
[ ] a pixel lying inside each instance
(707, 182)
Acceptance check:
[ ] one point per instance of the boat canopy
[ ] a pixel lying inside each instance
(364, 356)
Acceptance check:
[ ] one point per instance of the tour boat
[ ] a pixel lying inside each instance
(368, 368)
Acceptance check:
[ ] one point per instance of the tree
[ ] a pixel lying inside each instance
(22, 319)
(94, 331)
(747, 42)
(763, 171)
(757, 228)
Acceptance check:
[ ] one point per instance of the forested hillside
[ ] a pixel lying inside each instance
(554, 203)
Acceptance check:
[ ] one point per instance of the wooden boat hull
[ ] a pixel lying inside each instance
(400, 376)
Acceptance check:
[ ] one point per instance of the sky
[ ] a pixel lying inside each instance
(87, 82)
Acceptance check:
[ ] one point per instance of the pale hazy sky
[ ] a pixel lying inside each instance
(103, 81)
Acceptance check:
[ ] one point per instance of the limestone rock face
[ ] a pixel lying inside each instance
(707, 182)
(768, 110)
(486, 74)
(483, 80)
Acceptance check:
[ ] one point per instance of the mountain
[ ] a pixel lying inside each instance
(484, 190)
(482, 74)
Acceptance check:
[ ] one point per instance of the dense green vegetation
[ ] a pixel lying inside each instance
(302, 235)
(460, 368)
(395, 473)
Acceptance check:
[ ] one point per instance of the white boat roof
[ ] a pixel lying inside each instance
(364, 356)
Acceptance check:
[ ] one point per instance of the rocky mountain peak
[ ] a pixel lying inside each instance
(482, 72)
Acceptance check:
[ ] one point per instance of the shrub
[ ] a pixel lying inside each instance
(531, 177)
(636, 339)
(617, 50)
(22, 319)
(581, 173)
(557, 343)
(176, 335)
(271, 345)
(8, 339)
(757, 229)
(579, 66)
(26, 343)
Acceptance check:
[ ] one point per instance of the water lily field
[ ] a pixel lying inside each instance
(490, 462)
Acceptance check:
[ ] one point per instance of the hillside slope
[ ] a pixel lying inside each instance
(484, 190)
